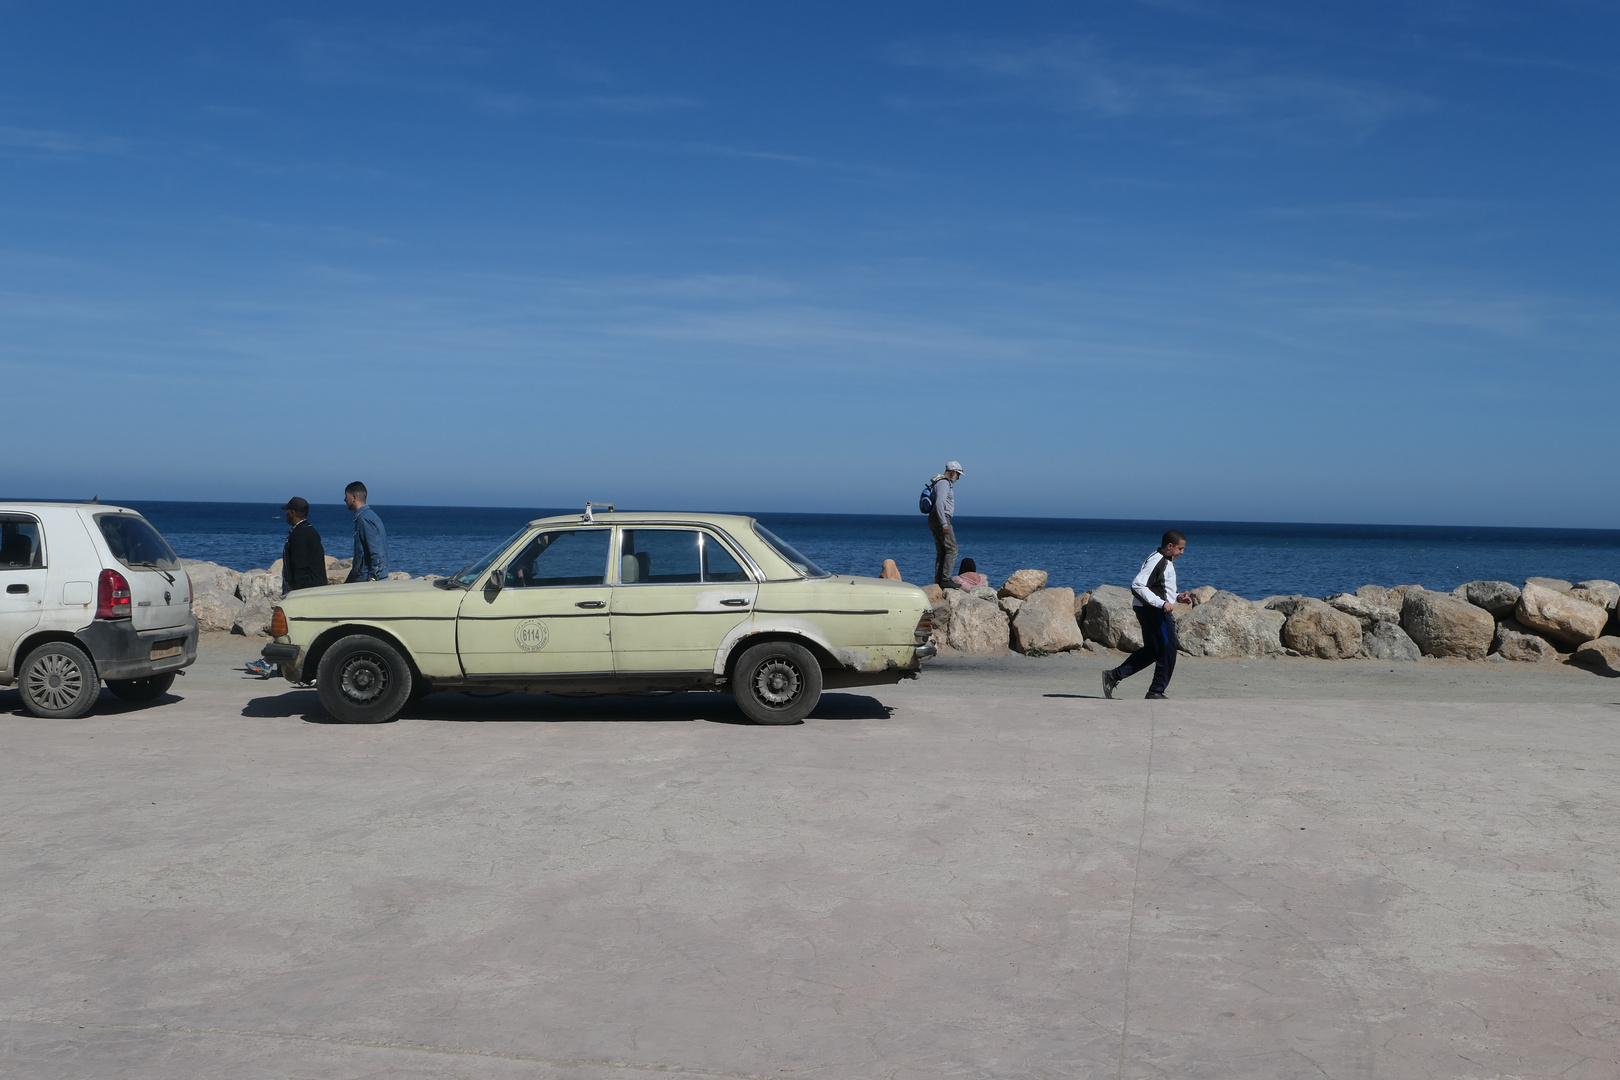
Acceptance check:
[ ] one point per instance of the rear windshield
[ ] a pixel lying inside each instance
(135, 543)
(799, 562)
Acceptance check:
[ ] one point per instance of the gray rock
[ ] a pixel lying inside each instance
(253, 618)
(1009, 604)
(1109, 619)
(257, 585)
(1045, 621)
(976, 625)
(1022, 583)
(1442, 625)
(1285, 604)
(1316, 629)
(1231, 627)
(1595, 597)
(1202, 595)
(397, 575)
(1601, 653)
(1497, 597)
(1553, 583)
(1366, 611)
(1610, 590)
(984, 592)
(1377, 594)
(1080, 601)
(215, 610)
(337, 570)
(1387, 641)
(1556, 615)
(1513, 642)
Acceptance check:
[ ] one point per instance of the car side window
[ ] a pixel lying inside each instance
(20, 548)
(659, 557)
(718, 563)
(576, 557)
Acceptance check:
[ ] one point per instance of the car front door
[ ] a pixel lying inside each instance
(22, 580)
(550, 615)
(679, 593)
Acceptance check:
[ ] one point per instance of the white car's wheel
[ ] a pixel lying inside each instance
(776, 682)
(59, 682)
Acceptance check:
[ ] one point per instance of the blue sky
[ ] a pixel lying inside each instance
(1175, 259)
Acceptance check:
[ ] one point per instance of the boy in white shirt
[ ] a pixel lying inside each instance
(1153, 598)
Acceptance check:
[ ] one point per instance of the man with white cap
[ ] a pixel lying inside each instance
(942, 492)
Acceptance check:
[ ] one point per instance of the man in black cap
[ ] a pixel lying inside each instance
(303, 559)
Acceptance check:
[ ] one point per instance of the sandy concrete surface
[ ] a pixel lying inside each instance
(1291, 869)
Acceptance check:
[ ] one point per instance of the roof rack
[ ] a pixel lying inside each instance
(587, 518)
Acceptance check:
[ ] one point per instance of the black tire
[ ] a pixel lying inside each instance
(776, 682)
(59, 682)
(141, 689)
(363, 680)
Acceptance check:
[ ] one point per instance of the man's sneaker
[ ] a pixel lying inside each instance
(1110, 680)
(1151, 696)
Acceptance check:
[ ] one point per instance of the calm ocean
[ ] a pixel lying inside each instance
(1251, 559)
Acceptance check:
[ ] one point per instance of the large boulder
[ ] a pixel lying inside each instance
(1554, 583)
(976, 625)
(1442, 625)
(253, 618)
(1377, 594)
(1601, 653)
(1045, 621)
(1559, 616)
(1497, 597)
(1366, 610)
(1513, 642)
(1109, 619)
(1595, 597)
(1609, 590)
(215, 610)
(1080, 602)
(256, 585)
(1315, 629)
(1285, 604)
(1022, 583)
(1009, 604)
(337, 570)
(1230, 627)
(1387, 641)
(1202, 595)
(984, 592)
(934, 593)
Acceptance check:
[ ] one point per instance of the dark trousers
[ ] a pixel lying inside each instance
(1159, 648)
(944, 554)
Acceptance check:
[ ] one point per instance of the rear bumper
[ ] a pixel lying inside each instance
(122, 652)
(928, 651)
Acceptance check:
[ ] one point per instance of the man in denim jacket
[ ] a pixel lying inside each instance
(370, 541)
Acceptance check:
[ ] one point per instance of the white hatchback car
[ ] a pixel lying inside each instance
(89, 593)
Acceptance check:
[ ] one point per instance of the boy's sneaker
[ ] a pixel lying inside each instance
(1151, 696)
(1110, 680)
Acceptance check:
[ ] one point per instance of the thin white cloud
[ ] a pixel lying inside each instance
(44, 141)
(1079, 75)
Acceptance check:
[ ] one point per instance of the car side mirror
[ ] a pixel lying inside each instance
(497, 579)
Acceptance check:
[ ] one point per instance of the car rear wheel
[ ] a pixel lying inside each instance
(363, 680)
(59, 682)
(777, 682)
(141, 689)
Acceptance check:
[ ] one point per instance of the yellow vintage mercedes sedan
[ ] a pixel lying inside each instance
(608, 603)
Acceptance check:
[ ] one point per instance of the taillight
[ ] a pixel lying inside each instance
(925, 628)
(112, 596)
(191, 591)
(278, 623)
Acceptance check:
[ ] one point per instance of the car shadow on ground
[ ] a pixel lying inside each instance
(108, 704)
(556, 708)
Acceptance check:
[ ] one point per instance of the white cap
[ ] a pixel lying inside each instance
(953, 466)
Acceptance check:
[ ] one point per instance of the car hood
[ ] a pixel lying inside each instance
(374, 599)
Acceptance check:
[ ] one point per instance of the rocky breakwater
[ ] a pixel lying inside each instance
(1545, 619)
(240, 601)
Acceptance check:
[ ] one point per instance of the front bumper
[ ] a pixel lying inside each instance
(123, 652)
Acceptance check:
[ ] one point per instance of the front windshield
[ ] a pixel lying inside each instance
(469, 575)
(799, 562)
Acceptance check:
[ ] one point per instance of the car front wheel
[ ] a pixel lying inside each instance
(59, 682)
(777, 682)
(363, 680)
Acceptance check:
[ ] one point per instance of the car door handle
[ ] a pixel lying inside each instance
(592, 603)
(16, 590)
(735, 603)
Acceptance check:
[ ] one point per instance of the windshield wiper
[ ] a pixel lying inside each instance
(154, 566)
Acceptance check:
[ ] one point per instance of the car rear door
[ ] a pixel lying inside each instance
(159, 590)
(550, 617)
(22, 579)
(680, 591)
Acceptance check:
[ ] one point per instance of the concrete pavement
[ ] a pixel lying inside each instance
(930, 880)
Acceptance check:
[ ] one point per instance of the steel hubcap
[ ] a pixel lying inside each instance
(55, 682)
(777, 683)
(365, 678)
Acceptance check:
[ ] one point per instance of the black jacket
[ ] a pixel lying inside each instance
(303, 560)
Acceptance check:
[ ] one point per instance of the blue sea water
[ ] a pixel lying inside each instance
(1252, 559)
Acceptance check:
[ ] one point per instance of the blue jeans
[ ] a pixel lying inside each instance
(1159, 648)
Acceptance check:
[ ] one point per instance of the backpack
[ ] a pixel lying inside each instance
(925, 501)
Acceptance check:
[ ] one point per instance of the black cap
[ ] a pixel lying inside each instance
(297, 505)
